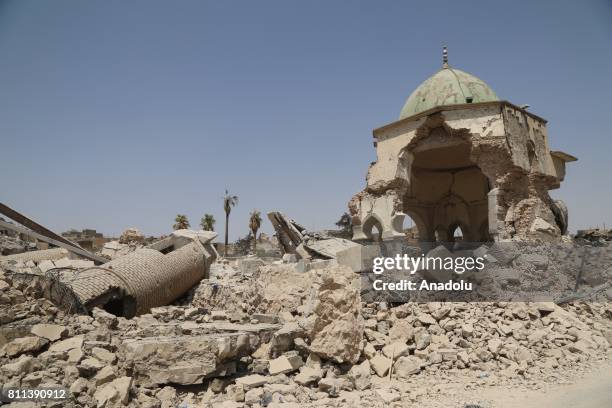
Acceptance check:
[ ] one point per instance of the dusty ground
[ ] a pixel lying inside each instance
(594, 390)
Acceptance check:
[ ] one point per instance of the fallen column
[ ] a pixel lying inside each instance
(148, 277)
(288, 232)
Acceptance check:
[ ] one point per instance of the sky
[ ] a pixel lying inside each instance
(117, 114)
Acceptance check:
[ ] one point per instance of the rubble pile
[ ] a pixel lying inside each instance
(131, 235)
(511, 272)
(10, 245)
(39, 262)
(277, 335)
(295, 239)
(115, 249)
(595, 235)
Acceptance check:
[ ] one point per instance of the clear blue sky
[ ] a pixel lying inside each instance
(116, 114)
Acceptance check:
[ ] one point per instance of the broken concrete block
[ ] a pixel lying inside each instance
(252, 381)
(46, 265)
(250, 265)
(359, 258)
(103, 355)
(422, 339)
(401, 331)
(115, 392)
(23, 345)
(105, 375)
(51, 332)
(448, 354)
(285, 364)
(380, 365)
(183, 360)
(68, 344)
(75, 355)
(329, 248)
(254, 396)
(333, 386)
(338, 327)
(23, 365)
(79, 386)
(494, 345)
(406, 366)
(395, 350)
(360, 375)
(308, 375)
(290, 258)
(303, 253)
(90, 365)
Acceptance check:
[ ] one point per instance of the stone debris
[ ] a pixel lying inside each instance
(595, 235)
(131, 235)
(294, 239)
(116, 249)
(259, 332)
(12, 244)
(50, 332)
(337, 330)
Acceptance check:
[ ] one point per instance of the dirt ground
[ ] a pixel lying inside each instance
(589, 389)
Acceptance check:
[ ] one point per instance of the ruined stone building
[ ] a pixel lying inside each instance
(458, 157)
(89, 239)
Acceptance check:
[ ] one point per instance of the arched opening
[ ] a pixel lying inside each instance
(456, 233)
(447, 188)
(410, 229)
(441, 234)
(372, 228)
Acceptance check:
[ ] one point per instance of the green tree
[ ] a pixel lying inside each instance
(208, 222)
(229, 201)
(345, 223)
(254, 224)
(181, 222)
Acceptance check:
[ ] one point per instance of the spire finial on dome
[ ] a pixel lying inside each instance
(444, 57)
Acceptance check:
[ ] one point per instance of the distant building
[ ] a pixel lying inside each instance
(88, 239)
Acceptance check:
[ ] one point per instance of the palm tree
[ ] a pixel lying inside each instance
(229, 201)
(181, 222)
(208, 222)
(254, 224)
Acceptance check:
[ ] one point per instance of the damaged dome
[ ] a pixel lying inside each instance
(448, 86)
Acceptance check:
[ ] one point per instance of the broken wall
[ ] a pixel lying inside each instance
(423, 169)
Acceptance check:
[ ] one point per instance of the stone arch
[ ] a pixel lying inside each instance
(370, 222)
(452, 232)
(446, 183)
(421, 227)
(441, 233)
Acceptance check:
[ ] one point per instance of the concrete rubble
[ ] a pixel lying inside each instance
(293, 238)
(255, 332)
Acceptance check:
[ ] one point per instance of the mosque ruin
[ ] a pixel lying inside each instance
(461, 158)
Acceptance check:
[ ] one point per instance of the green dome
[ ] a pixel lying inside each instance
(448, 86)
